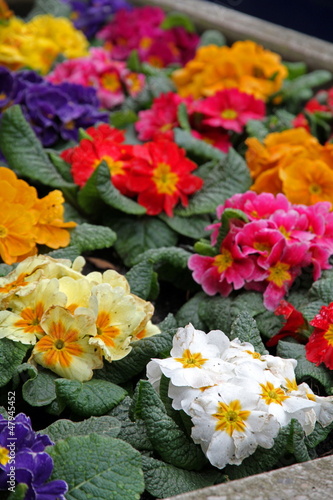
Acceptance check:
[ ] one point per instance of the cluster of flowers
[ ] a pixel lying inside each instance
(71, 319)
(111, 79)
(27, 220)
(245, 65)
(211, 118)
(90, 15)
(158, 173)
(23, 460)
(321, 103)
(267, 252)
(292, 162)
(319, 344)
(237, 399)
(54, 111)
(36, 44)
(142, 29)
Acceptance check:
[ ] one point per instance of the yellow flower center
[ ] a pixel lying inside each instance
(105, 330)
(115, 167)
(145, 42)
(255, 355)
(191, 360)
(315, 189)
(110, 81)
(272, 394)
(231, 417)
(223, 261)
(328, 335)
(279, 274)
(291, 385)
(31, 319)
(262, 247)
(3, 95)
(164, 179)
(166, 127)
(4, 456)
(285, 233)
(3, 232)
(229, 114)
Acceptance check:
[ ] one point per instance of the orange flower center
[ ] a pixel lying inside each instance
(14, 284)
(223, 261)
(110, 81)
(166, 127)
(134, 82)
(3, 232)
(164, 179)
(145, 42)
(69, 125)
(315, 189)
(272, 394)
(191, 360)
(255, 355)
(115, 167)
(60, 346)
(231, 417)
(279, 273)
(31, 319)
(105, 330)
(229, 114)
(328, 335)
(3, 95)
(155, 61)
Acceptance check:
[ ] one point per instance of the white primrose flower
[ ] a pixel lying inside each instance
(228, 424)
(239, 352)
(194, 359)
(154, 374)
(324, 405)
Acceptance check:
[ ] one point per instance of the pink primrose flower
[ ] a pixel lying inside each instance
(231, 109)
(256, 206)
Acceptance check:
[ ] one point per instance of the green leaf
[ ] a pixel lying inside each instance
(142, 351)
(195, 147)
(189, 312)
(40, 390)
(96, 467)
(182, 116)
(229, 177)
(90, 237)
(174, 19)
(70, 252)
(295, 88)
(193, 227)
(297, 444)
(11, 356)
(61, 429)
(134, 433)
(121, 119)
(159, 84)
(133, 62)
(61, 165)
(95, 397)
(245, 328)
(141, 277)
(168, 440)
(164, 480)
(54, 7)
(204, 247)
(99, 189)
(136, 235)
(262, 459)
(229, 214)
(5, 269)
(295, 69)
(24, 152)
(256, 128)
(19, 493)
(322, 290)
(172, 256)
(215, 313)
(305, 369)
(318, 435)
(212, 37)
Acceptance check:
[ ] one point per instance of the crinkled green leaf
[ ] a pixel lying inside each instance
(24, 152)
(173, 256)
(212, 37)
(189, 312)
(305, 369)
(40, 390)
(71, 214)
(141, 278)
(121, 119)
(204, 247)
(318, 435)
(70, 252)
(262, 459)
(91, 237)
(168, 440)
(61, 429)
(11, 356)
(215, 313)
(134, 433)
(229, 214)
(293, 88)
(19, 493)
(5, 269)
(95, 397)
(96, 467)
(250, 301)
(268, 323)
(295, 69)
(322, 290)
(182, 116)
(164, 480)
(256, 128)
(136, 235)
(142, 351)
(56, 8)
(229, 177)
(245, 328)
(159, 84)
(296, 444)
(99, 190)
(193, 227)
(174, 19)
(195, 147)
(311, 309)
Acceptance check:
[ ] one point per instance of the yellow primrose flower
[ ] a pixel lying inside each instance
(65, 348)
(117, 316)
(111, 277)
(22, 322)
(148, 331)
(77, 292)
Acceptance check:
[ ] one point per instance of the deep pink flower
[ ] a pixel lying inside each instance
(231, 109)
(217, 138)
(256, 206)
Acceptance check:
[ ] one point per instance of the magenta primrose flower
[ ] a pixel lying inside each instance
(269, 251)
